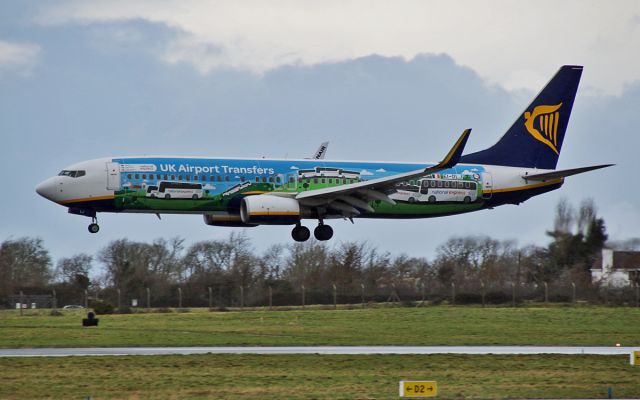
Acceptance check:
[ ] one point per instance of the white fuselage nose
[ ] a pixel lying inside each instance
(77, 183)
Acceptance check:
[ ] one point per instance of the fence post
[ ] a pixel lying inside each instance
(210, 290)
(362, 294)
(546, 293)
(637, 295)
(303, 299)
(573, 294)
(453, 293)
(422, 291)
(54, 301)
(241, 296)
(482, 293)
(21, 301)
(148, 298)
(119, 302)
(86, 298)
(513, 294)
(335, 296)
(179, 297)
(606, 295)
(270, 298)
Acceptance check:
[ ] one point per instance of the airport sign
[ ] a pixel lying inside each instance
(418, 388)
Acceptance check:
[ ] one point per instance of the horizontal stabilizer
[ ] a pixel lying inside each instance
(563, 173)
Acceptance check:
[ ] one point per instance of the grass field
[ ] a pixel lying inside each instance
(316, 376)
(441, 325)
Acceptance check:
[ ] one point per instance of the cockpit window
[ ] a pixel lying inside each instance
(72, 174)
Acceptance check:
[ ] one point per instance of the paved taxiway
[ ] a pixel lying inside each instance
(149, 351)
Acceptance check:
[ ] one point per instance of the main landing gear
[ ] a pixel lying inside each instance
(94, 227)
(301, 233)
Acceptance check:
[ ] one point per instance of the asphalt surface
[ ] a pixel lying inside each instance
(150, 351)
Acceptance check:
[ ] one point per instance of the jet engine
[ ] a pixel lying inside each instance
(270, 210)
(229, 220)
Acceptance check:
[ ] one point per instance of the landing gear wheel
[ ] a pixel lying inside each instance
(94, 228)
(300, 233)
(323, 232)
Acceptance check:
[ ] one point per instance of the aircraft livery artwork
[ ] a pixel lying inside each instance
(157, 184)
(236, 192)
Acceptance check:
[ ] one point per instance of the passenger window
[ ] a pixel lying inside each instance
(129, 176)
(137, 176)
(323, 180)
(80, 173)
(179, 177)
(446, 184)
(242, 178)
(277, 179)
(144, 176)
(257, 179)
(439, 184)
(315, 180)
(271, 179)
(344, 181)
(330, 181)
(226, 178)
(264, 179)
(173, 177)
(195, 177)
(166, 177)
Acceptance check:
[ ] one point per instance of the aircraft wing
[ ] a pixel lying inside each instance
(346, 197)
(563, 173)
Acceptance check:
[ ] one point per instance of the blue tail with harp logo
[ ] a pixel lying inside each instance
(535, 138)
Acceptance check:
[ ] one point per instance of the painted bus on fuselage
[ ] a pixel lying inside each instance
(437, 191)
(175, 190)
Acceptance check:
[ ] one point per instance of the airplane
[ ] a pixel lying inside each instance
(238, 192)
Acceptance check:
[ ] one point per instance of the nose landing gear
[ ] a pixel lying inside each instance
(94, 227)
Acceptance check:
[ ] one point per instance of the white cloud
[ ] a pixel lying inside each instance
(18, 57)
(515, 45)
(366, 172)
(381, 170)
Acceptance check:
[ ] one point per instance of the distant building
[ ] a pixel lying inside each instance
(617, 268)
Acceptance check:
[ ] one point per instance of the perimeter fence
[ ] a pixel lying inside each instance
(221, 297)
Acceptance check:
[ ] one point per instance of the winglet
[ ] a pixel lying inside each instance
(455, 153)
(321, 152)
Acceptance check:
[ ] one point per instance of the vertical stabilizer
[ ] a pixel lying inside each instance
(535, 138)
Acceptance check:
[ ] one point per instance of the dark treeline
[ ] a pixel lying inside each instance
(231, 272)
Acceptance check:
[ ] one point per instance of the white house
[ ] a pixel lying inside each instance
(617, 268)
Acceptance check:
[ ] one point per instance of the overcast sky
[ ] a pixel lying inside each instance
(394, 81)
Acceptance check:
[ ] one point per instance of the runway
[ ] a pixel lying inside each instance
(352, 350)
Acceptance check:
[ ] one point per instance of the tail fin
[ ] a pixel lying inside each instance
(535, 138)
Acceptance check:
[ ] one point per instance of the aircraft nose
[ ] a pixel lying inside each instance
(47, 189)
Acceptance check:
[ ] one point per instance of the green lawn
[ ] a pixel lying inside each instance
(316, 376)
(441, 325)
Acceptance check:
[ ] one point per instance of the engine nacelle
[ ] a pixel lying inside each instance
(230, 220)
(269, 210)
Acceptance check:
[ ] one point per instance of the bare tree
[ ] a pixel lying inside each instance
(23, 262)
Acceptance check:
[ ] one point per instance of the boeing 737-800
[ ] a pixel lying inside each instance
(235, 192)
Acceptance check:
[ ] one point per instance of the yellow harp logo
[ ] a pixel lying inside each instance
(542, 124)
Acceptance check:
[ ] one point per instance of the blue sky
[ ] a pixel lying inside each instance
(398, 82)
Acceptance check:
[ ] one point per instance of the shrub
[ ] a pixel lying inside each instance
(102, 307)
(56, 313)
(124, 310)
